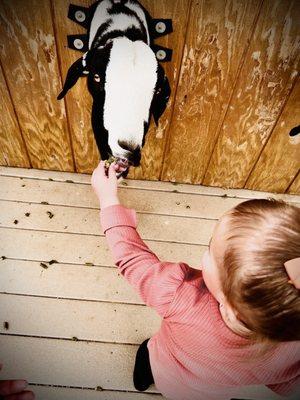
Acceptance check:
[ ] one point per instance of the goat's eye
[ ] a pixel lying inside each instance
(96, 78)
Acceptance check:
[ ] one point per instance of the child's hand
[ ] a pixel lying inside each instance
(106, 187)
(15, 389)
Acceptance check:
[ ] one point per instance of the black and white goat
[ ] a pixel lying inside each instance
(127, 83)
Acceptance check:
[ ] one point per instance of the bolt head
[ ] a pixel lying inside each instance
(80, 16)
(161, 55)
(160, 27)
(78, 43)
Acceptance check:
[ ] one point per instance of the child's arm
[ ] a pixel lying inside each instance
(155, 281)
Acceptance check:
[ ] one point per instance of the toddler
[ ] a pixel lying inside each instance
(236, 322)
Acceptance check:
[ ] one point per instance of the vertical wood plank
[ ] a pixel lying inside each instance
(157, 137)
(28, 56)
(295, 186)
(279, 162)
(78, 100)
(218, 35)
(12, 149)
(264, 83)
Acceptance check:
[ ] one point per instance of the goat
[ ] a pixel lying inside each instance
(127, 83)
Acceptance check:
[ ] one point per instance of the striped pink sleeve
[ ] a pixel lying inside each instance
(155, 281)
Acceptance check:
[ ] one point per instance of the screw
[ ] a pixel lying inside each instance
(161, 55)
(160, 27)
(78, 43)
(80, 16)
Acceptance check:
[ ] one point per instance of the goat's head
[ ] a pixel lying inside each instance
(127, 85)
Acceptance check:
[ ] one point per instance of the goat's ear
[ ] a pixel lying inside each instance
(74, 73)
(161, 95)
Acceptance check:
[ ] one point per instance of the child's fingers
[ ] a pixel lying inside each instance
(12, 386)
(101, 168)
(112, 170)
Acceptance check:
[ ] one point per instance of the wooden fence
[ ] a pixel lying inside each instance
(235, 93)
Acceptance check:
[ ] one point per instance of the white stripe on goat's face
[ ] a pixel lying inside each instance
(131, 76)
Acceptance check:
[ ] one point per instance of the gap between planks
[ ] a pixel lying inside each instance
(56, 262)
(70, 363)
(101, 236)
(37, 316)
(70, 339)
(59, 176)
(95, 208)
(41, 296)
(63, 219)
(88, 393)
(157, 203)
(91, 249)
(75, 378)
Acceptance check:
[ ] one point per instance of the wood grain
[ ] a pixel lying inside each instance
(148, 186)
(279, 161)
(12, 148)
(65, 281)
(64, 193)
(87, 365)
(28, 56)
(264, 83)
(85, 320)
(78, 100)
(217, 37)
(86, 221)
(91, 304)
(295, 186)
(234, 66)
(68, 363)
(39, 245)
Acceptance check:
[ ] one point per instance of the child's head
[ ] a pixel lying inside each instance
(244, 269)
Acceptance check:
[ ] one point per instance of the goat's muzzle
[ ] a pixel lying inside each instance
(123, 166)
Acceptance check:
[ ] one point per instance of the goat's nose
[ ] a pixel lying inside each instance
(123, 162)
(132, 152)
(134, 157)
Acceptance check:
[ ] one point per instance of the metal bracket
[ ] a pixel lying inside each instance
(82, 16)
(160, 27)
(78, 42)
(163, 54)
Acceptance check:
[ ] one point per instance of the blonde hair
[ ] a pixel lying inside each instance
(262, 235)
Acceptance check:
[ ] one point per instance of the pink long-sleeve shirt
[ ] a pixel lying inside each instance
(194, 355)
